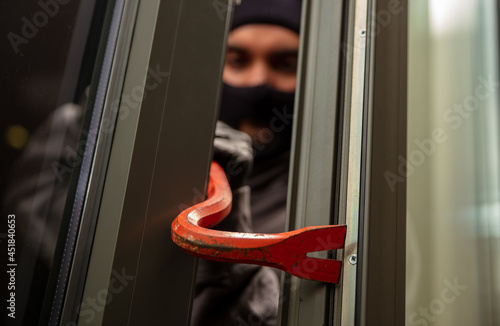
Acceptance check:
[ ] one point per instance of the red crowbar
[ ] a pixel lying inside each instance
(286, 251)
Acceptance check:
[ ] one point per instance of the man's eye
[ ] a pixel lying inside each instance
(285, 64)
(236, 60)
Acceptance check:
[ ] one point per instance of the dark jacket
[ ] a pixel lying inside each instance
(240, 294)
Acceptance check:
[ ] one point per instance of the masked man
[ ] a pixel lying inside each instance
(256, 113)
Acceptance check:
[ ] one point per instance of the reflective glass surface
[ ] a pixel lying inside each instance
(46, 66)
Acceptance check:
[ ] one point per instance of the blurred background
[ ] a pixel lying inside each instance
(453, 230)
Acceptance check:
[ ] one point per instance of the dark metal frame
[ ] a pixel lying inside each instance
(312, 173)
(106, 84)
(382, 269)
(158, 164)
(371, 88)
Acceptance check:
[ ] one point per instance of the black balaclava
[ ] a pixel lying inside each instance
(284, 13)
(264, 105)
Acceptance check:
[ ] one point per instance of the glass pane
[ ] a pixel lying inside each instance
(452, 167)
(48, 61)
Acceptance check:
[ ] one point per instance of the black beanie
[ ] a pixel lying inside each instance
(285, 13)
